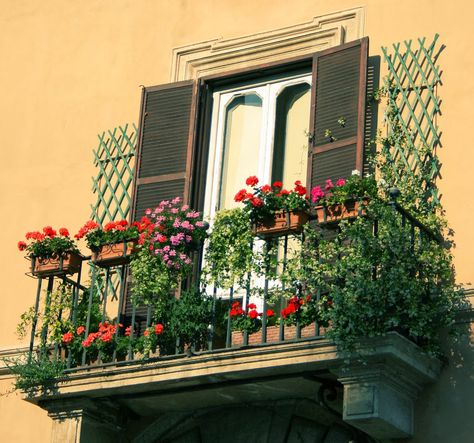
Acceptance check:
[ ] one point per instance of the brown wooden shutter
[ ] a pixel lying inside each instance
(165, 147)
(339, 83)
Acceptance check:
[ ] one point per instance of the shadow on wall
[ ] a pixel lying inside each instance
(444, 410)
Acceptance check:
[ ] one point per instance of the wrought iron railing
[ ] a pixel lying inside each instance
(103, 300)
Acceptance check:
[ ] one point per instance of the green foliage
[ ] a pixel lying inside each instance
(353, 188)
(402, 163)
(113, 232)
(371, 284)
(190, 318)
(36, 375)
(229, 256)
(152, 281)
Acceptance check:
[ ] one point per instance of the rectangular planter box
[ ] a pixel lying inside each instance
(46, 267)
(336, 213)
(273, 335)
(114, 254)
(283, 223)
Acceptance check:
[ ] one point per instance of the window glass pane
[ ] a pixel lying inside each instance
(290, 148)
(243, 122)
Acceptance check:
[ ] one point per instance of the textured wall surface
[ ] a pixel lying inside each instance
(73, 69)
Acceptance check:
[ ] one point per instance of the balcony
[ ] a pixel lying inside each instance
(117, 354)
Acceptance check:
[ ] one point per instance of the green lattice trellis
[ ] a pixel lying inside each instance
(115, 159)
(413, 106)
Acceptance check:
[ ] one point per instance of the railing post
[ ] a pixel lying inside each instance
(44, 330)
(89, 308)
(228, 338)
(35, 320)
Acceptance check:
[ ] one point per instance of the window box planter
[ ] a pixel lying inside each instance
(336, 213)
(114, 254)
(69, 263)
(283, 223)
(273, 335)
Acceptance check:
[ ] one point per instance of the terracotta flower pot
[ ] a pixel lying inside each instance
(114, 254)
(283, 223)
(69, 263)
(336, 213)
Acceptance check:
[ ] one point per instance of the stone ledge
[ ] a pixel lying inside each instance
(381, 380)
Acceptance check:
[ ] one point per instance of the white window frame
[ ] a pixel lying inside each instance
(268, 90)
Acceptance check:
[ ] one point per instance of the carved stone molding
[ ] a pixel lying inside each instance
(380, 389)
(220, 55)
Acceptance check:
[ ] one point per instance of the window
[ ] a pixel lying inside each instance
(258, 129)
(192, 142)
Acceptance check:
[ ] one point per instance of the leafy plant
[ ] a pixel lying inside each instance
(150, 340)
(249, 320)
(344, 190)
(152, 280)
(190, 318)
(229, 254)
(36, 375)
(372, 284)
(48, 244)
(113, 232)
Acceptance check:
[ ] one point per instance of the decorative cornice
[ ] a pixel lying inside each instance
(220, 55)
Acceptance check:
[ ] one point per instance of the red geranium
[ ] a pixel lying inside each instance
(67, 338)
(251, 181)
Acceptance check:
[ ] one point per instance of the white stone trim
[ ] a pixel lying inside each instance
(220, 55)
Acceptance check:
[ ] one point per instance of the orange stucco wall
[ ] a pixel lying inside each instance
(73, 69)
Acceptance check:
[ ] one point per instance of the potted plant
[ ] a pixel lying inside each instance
(165, 249)
(113, 244)
(274, 210)
(229, 253)
(247, 320)
(51, 254)
(150, 341)
(191, 315)
(104, 342)
(345, 199)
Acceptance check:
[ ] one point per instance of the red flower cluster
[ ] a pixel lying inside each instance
(156, 330)
(67, 338)
(47, 242)
(89, 226)
(120, 225)
(105, 334)
(294, 305)
(48, 231)
(251, 181)
(237, 311)
(263, 191)
(299, 188)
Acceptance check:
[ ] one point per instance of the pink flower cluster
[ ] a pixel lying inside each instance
(317, 193)
(176, 229)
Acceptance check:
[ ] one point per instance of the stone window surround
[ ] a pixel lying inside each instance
(222, 55)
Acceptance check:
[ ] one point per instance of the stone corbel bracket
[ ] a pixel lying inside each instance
(381, 386)
(221, 55)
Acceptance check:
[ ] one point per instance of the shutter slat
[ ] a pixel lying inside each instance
(339, 79)
(165, 150)
(165, 144)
